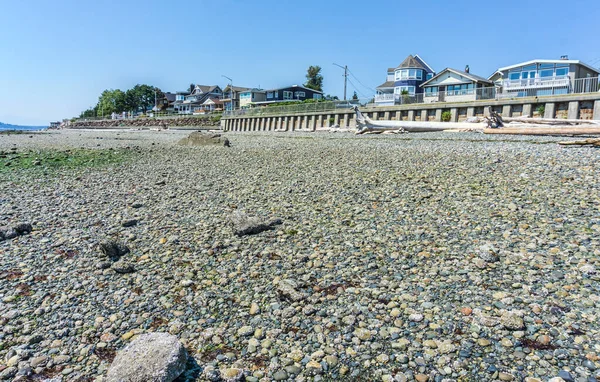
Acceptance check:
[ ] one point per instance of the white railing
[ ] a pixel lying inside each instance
(387, 97)
(536, 82)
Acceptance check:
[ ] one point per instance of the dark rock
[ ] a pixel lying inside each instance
(113, 249)
(137, 205)
(129, 222)
(22, 228)
(566, 376)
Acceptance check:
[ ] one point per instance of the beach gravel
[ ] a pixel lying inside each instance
(429, 257)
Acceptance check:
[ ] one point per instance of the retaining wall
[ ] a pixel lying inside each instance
(577, 106)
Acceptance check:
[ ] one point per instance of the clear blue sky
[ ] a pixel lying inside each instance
(57, 56)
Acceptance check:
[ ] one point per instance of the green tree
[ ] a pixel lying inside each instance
(141, 97)
(355, 96)
(314, 79)
(111, 101)
(91, 112)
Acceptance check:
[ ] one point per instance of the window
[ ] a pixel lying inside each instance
(408, 74)
(300, 94)
(514, 76)
(547, 73)
(431, 91)
(245, 95)
(317, 96)
(400, 89)
(462, 89)
(288, 95)
(429, 76)
(276, 95)
(562, 71)
(269, 95)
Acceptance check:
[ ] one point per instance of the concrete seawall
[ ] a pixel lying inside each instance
(577, 106)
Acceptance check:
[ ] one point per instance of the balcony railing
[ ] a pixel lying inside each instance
(536, 82)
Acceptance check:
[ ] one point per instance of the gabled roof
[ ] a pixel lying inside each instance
(207, 88)
(413, 62)
(550, 62)
(470, 76)
(387, 84)
(493, 74)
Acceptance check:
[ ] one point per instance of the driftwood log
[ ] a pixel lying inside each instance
(366, 125)
(572, 130)
(585, 142)
(553, 122)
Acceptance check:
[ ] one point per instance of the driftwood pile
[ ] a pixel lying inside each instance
(145, 122)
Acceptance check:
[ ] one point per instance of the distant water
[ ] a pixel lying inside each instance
(5, 126)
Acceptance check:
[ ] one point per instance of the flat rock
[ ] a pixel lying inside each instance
(288, 289)
(247, 225)
(198, 138)
(123, 267)
(158, 357)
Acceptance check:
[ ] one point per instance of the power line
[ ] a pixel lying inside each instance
(356, 88)
(356, 78)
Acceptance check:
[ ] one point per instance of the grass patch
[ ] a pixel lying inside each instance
(49, 160)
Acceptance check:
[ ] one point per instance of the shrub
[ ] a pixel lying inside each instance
(446, 116)
(331, 120)
(541, 110)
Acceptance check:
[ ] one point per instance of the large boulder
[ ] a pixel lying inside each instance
(154, 357)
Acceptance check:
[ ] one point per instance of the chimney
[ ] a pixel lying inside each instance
(565, 57)
(467, 69)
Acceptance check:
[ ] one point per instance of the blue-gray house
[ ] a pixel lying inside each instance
(406, 77)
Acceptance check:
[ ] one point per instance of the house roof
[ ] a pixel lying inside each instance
(207, 88)
(549, 62)
(470, 76)
(237, 88)
(214, 100)
(295, 86)
(170, 96)
(387, 84)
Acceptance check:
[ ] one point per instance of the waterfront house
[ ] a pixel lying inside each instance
(212, 104)
(231, 96)
(546, 77)
(451, 85)
(194, 101)
(179, 98)
(250, 96)
(258, 97)
(405, 79)
(290, 93)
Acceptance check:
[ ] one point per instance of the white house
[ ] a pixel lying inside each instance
(546, 77)
(451, 85)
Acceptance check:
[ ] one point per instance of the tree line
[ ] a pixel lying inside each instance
(138, 98)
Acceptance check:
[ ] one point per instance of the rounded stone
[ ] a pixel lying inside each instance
(156, 357)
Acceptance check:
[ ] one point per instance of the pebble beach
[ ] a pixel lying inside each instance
(410, 257)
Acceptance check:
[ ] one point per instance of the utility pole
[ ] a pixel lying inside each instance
(155, 106)
(345, 67)
(231, 92)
